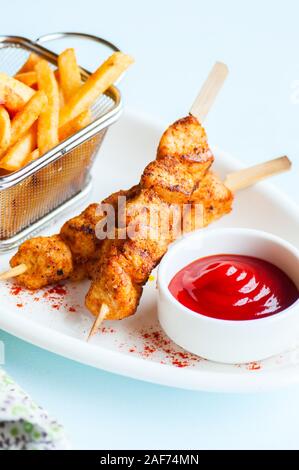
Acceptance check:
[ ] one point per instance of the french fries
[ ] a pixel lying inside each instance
(32, 156)
(29, 78)
(47, 132)
(95, 85)
(40, 107)
(5, 129)
(69, 73)
(13, 94)
(30, 63)
(17, 154)
(61, 97)
(75, 125)
(27, 116)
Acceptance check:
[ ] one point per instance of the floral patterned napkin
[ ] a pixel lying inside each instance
(23, 424)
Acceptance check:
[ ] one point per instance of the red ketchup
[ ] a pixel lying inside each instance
(233, 287)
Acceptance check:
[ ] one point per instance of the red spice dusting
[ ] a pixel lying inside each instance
(254, 366)
(148, 349)
(178, 363)
(106, 329)
(156, 342)
(58, 290)
(15, 290)
(157, 335)
(183, 355)
(55, 296)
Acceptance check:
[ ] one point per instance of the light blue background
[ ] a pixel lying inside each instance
(175, 43)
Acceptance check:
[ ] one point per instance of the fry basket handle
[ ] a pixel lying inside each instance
(85, 36)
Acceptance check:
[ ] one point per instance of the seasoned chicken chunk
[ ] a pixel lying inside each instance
(48, 260)
(170, 179)
(186, 140)
(114, 287)
(215, 197)
(79, 232)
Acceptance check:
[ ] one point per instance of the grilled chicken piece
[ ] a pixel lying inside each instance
(186, 140)
(215, 198)
(170, 179)
(84, 270)
(113, 286)
(48, 260)
(79, 232)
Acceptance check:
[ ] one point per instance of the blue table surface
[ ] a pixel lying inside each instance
(255, 118)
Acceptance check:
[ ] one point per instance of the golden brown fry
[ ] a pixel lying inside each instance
(30, 63)
(29, 78)
(61, 97)
(69, 73)
(18, 153)
(75, 125)
(96, 84)
(47, 134)
(27, 116)
(32, 156)
(13, 94)
(5, 129)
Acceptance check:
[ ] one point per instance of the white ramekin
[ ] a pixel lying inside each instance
(225, 340)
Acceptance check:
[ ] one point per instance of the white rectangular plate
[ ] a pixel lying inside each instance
(56, 319)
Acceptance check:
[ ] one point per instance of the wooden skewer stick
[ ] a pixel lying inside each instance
(208, 92)
(13, 272)
(99, 319)
(248, 176)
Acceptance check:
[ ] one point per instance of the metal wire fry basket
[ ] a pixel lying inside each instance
(40, 191)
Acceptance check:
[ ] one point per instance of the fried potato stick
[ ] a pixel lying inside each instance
(95, 85)
(47, 132)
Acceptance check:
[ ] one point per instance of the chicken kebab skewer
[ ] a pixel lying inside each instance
(172, 183)
(180, 174)
(73, 253)
(41, 261)
(45, 260)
